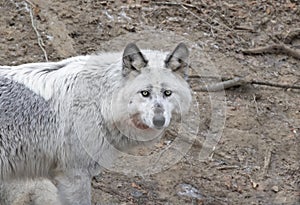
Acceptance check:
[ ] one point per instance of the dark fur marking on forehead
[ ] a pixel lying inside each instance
(163, 85)
(149, 87)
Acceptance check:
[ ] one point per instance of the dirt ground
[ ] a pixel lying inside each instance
(256, 158)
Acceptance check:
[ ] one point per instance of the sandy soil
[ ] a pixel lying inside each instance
(256, 159)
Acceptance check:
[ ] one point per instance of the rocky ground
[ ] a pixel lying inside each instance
(256, 157)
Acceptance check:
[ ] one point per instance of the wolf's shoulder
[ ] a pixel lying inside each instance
(19, 106)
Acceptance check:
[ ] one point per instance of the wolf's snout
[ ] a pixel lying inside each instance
(159, 121)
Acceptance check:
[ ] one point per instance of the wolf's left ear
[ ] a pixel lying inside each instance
(133, 59)
(178, 59)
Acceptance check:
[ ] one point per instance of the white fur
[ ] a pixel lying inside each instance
(29, 192)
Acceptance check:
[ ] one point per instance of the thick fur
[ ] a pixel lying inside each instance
(62, 121)
(30, 192)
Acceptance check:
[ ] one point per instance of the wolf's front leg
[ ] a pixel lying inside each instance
(74, 187)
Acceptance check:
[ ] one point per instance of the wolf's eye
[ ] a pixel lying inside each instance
(167, 93)
(145, 93)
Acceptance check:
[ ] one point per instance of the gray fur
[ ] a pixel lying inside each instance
(25, 121)
(62, 121)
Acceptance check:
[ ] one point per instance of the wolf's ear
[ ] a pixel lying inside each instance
(133, 59)
(178, 59)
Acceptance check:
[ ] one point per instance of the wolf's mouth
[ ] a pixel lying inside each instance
(136, 120)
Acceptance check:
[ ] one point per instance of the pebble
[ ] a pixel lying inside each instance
(190, 191)
(275, 189)
(136, 193)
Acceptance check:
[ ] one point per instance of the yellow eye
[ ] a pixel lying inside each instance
(167, 93)
(145, 93)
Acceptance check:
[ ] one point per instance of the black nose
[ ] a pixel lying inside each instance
(159, 121)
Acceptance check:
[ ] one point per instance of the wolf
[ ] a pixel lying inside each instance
(62, 122)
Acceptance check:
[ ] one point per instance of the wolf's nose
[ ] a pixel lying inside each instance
(159, 121)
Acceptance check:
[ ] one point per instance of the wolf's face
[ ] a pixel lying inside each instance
(155, 92)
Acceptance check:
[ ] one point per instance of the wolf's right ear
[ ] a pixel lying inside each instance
(133, 59)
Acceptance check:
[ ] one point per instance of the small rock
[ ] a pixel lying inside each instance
(134, 185)
(10, 38)
(167, 142)
(254, 185)
(275, 189)
(136, 193)
(189, 191)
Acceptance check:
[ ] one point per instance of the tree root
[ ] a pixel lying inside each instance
(274, 49)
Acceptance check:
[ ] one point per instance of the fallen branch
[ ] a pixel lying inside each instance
(237, 81)
(274, 49)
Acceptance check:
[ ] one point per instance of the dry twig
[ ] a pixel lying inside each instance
(228, 167)
(291, 35)
(274, 84)
(175, 4)
(39, 38)
(274, 49)
(267, 161)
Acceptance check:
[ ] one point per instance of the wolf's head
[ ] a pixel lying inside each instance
(155, 90)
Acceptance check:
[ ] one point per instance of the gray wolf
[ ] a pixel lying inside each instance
(62, 121)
